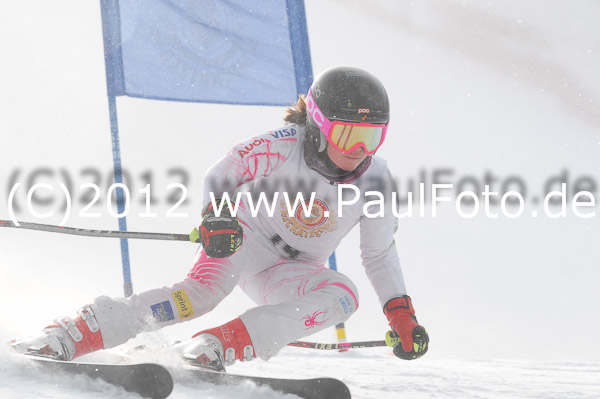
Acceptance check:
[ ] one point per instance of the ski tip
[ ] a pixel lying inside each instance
(334, 388)
(149, 380)
(152, 381)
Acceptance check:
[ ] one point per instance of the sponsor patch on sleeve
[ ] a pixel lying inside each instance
(162, 311)
(184, 305)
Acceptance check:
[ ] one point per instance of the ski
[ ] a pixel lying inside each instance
(312, 388)
(149, 380)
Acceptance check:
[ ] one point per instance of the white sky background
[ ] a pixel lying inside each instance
(505, 87)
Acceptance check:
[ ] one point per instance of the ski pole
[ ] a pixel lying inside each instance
(96, 233)
(337, 345)
(340, 328)
(390, 340)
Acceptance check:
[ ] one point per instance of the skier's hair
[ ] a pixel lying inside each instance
(297, 113)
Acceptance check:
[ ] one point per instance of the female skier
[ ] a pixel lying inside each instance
(276, 255)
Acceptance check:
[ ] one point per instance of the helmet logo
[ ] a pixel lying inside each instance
(316, 90)
(314, 111)
(364, 110)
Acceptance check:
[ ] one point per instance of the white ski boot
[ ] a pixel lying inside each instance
(65, 340)
(54, 342)
(206, 351)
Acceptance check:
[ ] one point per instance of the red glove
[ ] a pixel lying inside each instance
(414, 340)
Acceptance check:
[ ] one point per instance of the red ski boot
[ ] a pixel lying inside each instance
(221, 346)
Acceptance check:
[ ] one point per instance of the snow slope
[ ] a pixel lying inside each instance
(500, 87)
(375, 374)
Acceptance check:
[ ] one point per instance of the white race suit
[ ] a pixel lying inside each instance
(280, 265)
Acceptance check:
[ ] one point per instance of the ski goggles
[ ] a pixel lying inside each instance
(347, 136)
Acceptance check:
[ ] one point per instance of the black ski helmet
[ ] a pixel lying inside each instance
(340, 93)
